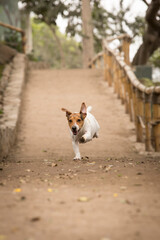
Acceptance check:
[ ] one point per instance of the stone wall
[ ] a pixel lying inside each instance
(11, 87)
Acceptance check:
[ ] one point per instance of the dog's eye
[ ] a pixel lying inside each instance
(70, 120)
(79, 120)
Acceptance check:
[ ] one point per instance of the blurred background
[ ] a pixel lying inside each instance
(55, 30)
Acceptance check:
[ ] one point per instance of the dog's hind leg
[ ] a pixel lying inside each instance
(96, 135)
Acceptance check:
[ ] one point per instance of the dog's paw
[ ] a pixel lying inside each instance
(77, 158)
(82, 140)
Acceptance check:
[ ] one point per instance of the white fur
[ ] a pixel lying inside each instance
(87, 133)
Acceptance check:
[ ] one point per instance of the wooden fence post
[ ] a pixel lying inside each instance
(115, 76)
(140, 115)
(147, 110)
(134, 104)
(109, 63)
(130, 103)
(118, 83)
(105, 65)
(156, 121)
(126, 94)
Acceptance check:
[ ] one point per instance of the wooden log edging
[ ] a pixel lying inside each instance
(141, 103)
(12, 104)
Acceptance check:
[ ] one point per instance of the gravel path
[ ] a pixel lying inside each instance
(112, 194)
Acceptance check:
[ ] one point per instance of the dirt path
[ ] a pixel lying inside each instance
(112, 195)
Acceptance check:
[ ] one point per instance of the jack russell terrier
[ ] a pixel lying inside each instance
(83, 127)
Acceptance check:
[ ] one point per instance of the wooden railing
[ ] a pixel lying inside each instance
(17, 30)
(141, 103)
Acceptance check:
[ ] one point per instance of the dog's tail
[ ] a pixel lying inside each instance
(89, 109)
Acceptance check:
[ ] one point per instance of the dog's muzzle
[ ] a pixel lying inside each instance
(74, 130)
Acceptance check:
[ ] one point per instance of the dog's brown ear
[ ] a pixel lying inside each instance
(68, 113)
(83, 110)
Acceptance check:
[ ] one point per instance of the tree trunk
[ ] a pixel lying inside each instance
(59, 45)
(87, 33)
(151, 39)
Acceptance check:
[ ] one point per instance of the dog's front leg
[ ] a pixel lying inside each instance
(76, 150)
(86, 137)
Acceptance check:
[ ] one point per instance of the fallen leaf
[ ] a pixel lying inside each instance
(119, 175)
(54, 165)
(108, 168)
(115, 195)
(59, 160)
(62, 202)
(128, 202)
(35, 219)
(126, 177)
(17, 190)
(123, 187)
(3, 237)
(50, 190)
(23, 198)
(22, 181)
(83, 199)
(91, 163)
(91, 170)
(2, 183)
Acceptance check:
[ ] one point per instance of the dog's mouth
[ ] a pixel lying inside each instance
(75, 132)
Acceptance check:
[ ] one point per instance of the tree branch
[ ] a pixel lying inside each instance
(146, 2)
(152, 13)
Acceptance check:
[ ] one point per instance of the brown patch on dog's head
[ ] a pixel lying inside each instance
(76, 120)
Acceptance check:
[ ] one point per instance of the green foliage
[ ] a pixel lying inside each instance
(46, 10)
(13, 39)
(155, 58)
(148, 82)
(45, 47)
(105, 23)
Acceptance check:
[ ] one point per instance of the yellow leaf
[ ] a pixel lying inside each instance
(83, 199)
(50, 190)
(3, 237)
(17, 190)
(115, 195)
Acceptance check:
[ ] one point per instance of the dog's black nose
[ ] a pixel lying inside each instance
(74, 128)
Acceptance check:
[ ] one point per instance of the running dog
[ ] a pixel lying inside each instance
(83, 127)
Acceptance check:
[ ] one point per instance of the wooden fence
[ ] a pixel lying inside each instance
(141, 103)
(17, 30)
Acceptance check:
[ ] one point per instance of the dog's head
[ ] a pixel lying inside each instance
(76, 120)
